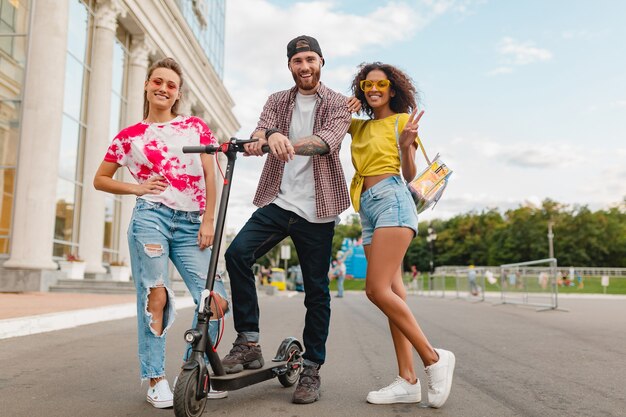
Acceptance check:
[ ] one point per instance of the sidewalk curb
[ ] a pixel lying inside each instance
(24, 326)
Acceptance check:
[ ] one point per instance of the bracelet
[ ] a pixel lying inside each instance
(270, 132)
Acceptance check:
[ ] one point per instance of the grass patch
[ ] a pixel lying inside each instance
(592, 285)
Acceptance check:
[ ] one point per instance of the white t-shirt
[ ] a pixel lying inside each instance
(297, 189)
(150, 149)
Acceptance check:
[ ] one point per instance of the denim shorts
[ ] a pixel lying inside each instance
(387, 204)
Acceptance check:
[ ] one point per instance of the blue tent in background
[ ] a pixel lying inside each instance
(356, 264)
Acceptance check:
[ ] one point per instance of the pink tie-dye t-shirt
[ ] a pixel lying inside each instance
(150, 149)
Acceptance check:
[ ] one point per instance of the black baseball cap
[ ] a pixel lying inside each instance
(304, 43)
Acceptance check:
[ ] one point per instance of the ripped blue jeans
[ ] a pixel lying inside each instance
(157, 234)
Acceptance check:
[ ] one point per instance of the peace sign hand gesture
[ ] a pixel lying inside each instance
(409, 133)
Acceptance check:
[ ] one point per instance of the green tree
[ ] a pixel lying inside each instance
(351, 228)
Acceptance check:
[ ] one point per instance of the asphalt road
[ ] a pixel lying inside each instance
(511, 361)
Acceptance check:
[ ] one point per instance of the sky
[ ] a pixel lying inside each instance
(524, 100)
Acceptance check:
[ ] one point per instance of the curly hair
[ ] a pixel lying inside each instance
(168, 63)
(406, 95)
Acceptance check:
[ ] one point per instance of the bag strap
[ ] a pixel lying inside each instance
(419, 142)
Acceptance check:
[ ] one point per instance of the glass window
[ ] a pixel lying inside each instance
(77, 29)
(73, 98)
(118, 108)
(109, 212)
(14, 19)
(7, 185)
(9, 132)
(206, 20)
(68, 154)
(66, 198)
(7, 25)
(69, 185)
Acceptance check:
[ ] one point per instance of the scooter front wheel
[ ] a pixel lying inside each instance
(294, 366)
(185, 402)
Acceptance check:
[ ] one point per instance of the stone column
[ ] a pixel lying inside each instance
(98, 136)
(40, 138)
(140, 50)
(188, 101)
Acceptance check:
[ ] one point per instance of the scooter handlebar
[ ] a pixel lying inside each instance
(199, 149)
(234, 144)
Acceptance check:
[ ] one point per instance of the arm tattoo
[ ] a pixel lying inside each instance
(310, 146)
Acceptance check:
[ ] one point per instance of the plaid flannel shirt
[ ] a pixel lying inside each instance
(332, 120)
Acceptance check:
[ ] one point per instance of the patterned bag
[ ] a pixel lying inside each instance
(428, 186)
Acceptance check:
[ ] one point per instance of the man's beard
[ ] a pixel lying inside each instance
(308, 84)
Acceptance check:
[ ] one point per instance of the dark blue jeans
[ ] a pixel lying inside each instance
(313, 241)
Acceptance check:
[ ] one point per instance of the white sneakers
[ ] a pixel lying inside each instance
(399, 391)
(440, 378)
(439, 385)
(216, 395)
(212, 394)
(160, 395)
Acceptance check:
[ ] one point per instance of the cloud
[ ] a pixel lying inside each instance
(500, 70)
(529, 155)
(463, 7)
(517, 53)
(257, 32)
(583, 34)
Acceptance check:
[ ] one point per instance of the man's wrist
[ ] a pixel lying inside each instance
(270, 132)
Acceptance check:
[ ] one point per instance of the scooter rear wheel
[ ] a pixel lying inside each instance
(185, 402)
(293, 366)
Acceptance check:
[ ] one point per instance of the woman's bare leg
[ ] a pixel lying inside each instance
(388, 247)
(401, 345)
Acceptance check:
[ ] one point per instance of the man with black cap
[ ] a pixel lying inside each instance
(301, 192)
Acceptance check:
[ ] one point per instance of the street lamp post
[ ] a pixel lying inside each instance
(432, 236)
(550, 240)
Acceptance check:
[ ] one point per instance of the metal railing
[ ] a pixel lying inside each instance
(528, 284)
(585, 271)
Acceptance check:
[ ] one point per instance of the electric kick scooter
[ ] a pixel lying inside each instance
(194, 380)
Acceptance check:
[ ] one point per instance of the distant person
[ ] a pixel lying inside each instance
(565, 280)
(299, 281)
(415, 274)
(471, 278)
(543, 280)
(172, 219)
(512, 278)
(383, 148)
(579, 279)
(300, 194)
(340, 273)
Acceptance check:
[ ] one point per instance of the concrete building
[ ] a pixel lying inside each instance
(71, 76)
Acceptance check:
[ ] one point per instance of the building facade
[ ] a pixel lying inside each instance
(71, 76)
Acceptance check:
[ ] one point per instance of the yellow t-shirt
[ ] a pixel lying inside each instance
(374, 150)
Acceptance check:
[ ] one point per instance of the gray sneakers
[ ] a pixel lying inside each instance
(308, 389)
(440, 378)
(242, 356)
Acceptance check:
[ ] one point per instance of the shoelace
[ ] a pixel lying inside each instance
(159, 390)
(397, 381)
(307, 379)
(430, 380)
(236, 349)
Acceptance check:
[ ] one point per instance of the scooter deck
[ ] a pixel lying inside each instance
(231, 382)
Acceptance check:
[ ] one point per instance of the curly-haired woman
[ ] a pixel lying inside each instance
(383, 146)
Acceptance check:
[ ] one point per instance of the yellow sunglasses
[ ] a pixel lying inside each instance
(381, 85)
